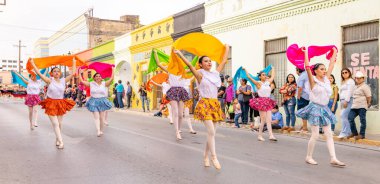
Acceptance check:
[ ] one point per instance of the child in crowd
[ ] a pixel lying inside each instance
(237, 111)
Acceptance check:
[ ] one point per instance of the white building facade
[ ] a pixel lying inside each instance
(260, 31)
(122, 54)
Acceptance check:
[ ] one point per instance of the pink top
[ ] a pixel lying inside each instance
(56, 89)
(230, 93)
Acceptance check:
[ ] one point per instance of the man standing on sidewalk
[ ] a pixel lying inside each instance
(129, 94)
(361, 101)
(302, 94)
(120, 94)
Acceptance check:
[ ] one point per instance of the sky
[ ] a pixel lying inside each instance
(28, 20)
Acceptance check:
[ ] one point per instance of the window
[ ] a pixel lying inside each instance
(275, 55)
(361, 53)
(14, 61)
(4, 61)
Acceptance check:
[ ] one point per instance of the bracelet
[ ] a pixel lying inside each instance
(307, 67)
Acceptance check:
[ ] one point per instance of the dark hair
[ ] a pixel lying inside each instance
(244, 80)
(259, 74)
(119, 81)
(315, 67)
(69, 85)
(274, 87)
(299, 70)
(287, 80)
(55, 68)
(349, 73)
(201, 59)
(95, 75)
(275, 107)
(331, 75)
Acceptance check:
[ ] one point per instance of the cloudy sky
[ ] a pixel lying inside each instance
(28, 20)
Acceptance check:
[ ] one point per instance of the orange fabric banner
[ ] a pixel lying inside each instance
(52, 61)
(157, 79)
(199, 44)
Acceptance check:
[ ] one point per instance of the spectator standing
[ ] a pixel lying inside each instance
(230, 93)
(237, 112)
(288, 92)
(222, 93)
(302, 95)
(129, 94)
(144, 97)
(346, 90)
(244, 95)
(120, 94)
(333, 102)
(361, 102)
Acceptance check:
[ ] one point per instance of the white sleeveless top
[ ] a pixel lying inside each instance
(321, 92)
(33, 87)
(165, 87)
(264, 90)
(176, 81)
(98, 91)
(208, 88)
(56, 89)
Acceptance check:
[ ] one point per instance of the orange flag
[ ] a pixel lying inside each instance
(52, 61)
(199, 44)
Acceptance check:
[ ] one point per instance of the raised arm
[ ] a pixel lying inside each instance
(86, 83)
(158, 61)
(37, 71)
(258, 84)
(225, 57)
(196, 74)
(273, 73)
(22, 78)
(308, 70)
(332, 62)
(108, 83)
(68, 78)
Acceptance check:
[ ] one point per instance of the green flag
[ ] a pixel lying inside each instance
(152, 62)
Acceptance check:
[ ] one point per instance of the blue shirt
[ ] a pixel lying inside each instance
(278, 116)
(301, 83)
(119, 88)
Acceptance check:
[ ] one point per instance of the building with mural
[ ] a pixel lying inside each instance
(267, 28)
(156, 35)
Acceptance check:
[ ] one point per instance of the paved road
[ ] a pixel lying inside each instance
(137, 148)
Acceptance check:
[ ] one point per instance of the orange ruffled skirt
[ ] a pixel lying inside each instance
(57, 107)
(208, 109)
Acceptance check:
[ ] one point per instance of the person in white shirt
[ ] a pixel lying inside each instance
(208, 109)
(345, 94)
(32, 98)
(317, 112)
(55, 105)
(98, 103)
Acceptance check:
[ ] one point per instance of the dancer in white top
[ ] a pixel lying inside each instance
(177, 95)
(208, 107)
(32, 98)
(55, 105)
(98, 104)
(264, 104)
(317, 112)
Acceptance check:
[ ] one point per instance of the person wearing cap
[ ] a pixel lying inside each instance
(361, 101)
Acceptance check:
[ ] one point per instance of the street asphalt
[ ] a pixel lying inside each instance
(138, 148)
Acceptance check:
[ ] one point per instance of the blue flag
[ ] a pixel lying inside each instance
(17, 79)
(241, 74)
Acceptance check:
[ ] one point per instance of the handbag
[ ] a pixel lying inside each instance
(231, 109)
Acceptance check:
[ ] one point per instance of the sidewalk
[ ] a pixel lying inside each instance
(371, 139)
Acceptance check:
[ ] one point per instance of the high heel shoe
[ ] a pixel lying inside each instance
(206, 162)
(216, 163)
(337, 163)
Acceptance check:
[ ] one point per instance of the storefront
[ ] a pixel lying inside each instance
(268, 30)
(156, 35)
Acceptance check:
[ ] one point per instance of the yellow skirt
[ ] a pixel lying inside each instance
(208, 109)
(189, 103)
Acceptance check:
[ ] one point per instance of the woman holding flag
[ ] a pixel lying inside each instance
(55, 105)
(98, 103)
(32, 98)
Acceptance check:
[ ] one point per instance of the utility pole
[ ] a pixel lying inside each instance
(19, 54)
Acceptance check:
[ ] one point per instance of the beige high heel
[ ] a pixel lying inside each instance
(216, 163)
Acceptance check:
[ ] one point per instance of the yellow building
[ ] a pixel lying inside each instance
(156, 35)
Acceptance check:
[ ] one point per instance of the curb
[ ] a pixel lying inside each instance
(367, 142)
